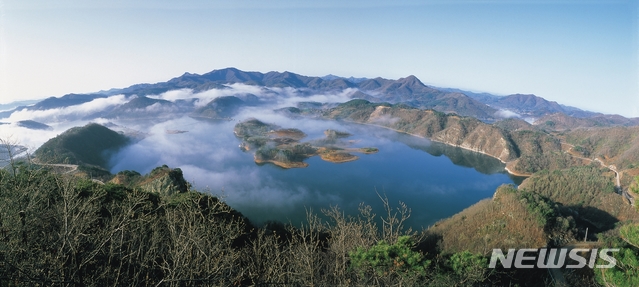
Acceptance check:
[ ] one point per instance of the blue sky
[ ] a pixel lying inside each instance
(580, 53)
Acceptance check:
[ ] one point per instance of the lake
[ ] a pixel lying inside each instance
(433, 179)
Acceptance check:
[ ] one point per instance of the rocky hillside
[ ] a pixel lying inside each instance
(616, 145)
(527, 105)
(514, 124)
(515, 146)
(465, 132)
(562, 122)
(162, 180)
(525, 148)
(586, 193)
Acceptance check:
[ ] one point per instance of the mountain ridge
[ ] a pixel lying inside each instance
(408, 90)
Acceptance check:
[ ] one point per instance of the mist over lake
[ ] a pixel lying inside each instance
(433, 179)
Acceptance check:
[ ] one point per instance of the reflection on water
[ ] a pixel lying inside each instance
(433, 179)
(461, 157)
(458, 156)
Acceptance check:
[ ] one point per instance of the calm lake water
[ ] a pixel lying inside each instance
(433, 179)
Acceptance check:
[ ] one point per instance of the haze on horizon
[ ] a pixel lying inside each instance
(583, 54)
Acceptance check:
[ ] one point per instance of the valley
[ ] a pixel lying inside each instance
(470, 172)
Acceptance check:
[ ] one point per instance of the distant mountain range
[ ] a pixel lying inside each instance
(525, 148)
(409, 91)
(13, 105)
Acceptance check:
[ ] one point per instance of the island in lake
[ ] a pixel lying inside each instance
(283, 146)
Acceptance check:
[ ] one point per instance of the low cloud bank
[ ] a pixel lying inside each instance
(61, 119)
(70, 113)
(212, 161)
(275, 96)
(208, 152)
(507, 114)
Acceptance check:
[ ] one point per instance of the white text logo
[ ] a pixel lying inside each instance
(552, 258)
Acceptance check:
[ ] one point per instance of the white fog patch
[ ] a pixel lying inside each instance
(201, 143)
(264, 115)
(33, 139)
(245, 186)
(205, 97)
(384, 120)
(240, 187)
(239, 88)
(174, 95)
(507, 114)
(313, 128)
(275, 97)
(159, 108)
(287, 92)
(336, 97)
(70, 113)
(211, 160)
(381, 116)
(101, 121)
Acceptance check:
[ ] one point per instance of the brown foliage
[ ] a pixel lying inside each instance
(500, 222)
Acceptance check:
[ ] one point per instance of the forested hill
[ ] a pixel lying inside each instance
(88, 145)
(58, 229)
(526, 150)
(154, 229)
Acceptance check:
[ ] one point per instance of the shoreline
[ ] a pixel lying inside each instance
(282, 164)
(301, 164)
(324, 158)
(423, 137)
(516, 173)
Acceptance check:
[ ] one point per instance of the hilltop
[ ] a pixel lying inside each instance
(88, 145)
(161, 180)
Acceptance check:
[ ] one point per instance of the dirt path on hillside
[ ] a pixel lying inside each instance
(610, 167)
(71, 167)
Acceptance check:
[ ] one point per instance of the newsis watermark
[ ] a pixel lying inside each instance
(553, 258)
